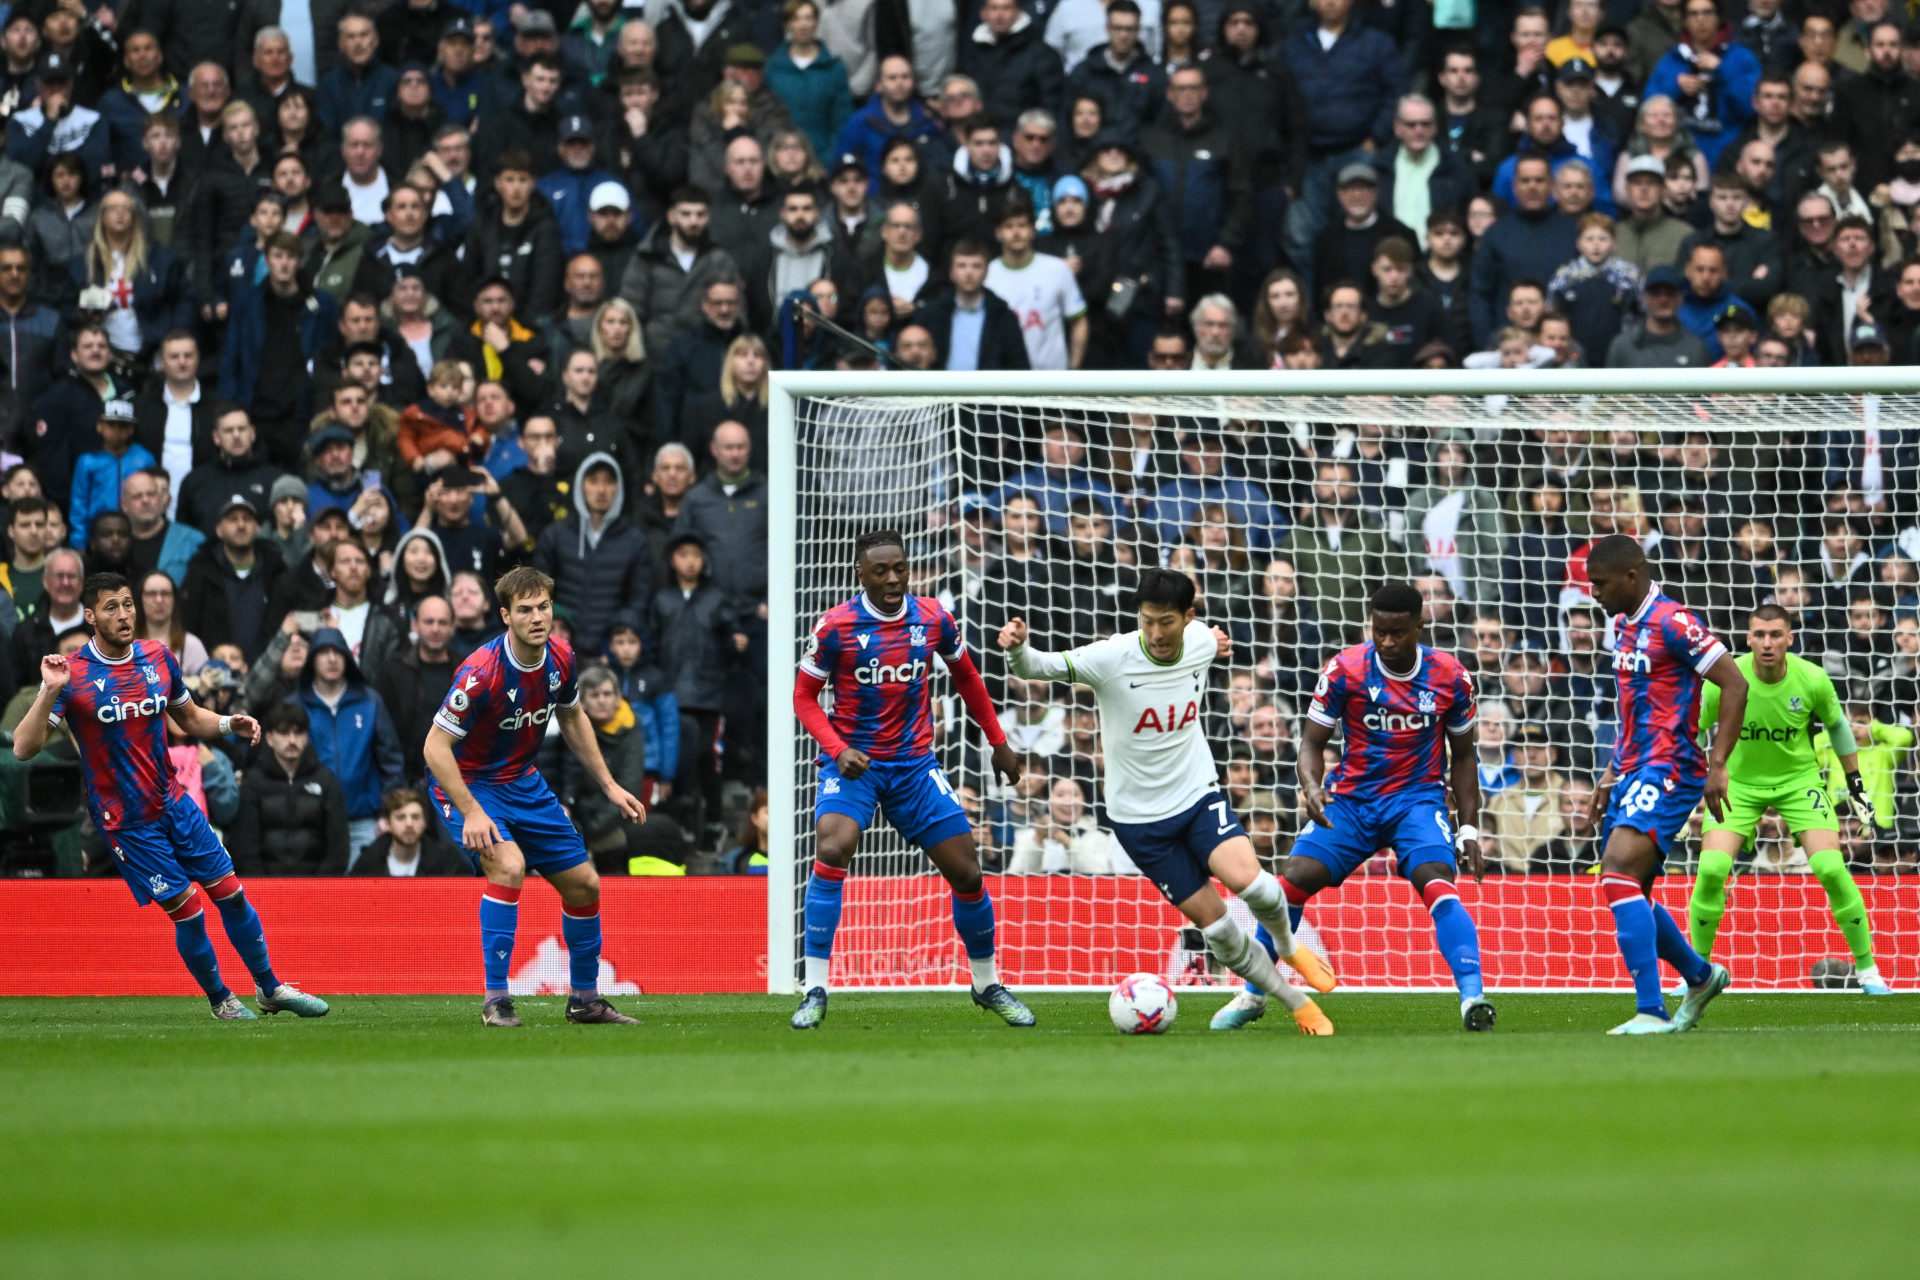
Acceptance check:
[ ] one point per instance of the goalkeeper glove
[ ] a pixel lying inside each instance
(1857, 795)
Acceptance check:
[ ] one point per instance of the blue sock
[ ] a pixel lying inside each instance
(1265, 939)
(973, 921)
(1459, 942)
(824, 890)
(244, 931)
(196, 948)
(1633, 925)
(1676, 949)
(582, 933)
(499, 919)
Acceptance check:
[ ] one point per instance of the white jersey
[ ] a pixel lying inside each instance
(1044, 297)
(1151, 721)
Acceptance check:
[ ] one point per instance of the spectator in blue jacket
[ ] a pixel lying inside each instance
(1059, 480)
(1530, 242)
(456, 85)
(56, 125)
(100, 472)
(568, 185)
(1545, 136)
(351, 733)
(361, 85)
(274, 331)
(1350, 76)
(1710, 78)
(892, 112)
(1707, 295)
(1205, 478)
(804, 74)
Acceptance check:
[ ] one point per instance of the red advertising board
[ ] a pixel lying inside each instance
(709, 934)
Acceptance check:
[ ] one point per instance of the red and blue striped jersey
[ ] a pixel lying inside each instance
(1394, 726)
(878, 669)
(118, 714)
(497, 710)
(1661, 653)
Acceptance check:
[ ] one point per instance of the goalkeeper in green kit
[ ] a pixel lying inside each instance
(1773, 767)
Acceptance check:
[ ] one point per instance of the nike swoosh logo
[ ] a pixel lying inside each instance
(1135, 684)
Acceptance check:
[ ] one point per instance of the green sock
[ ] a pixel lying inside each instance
(1849, 909)
(1709, 900)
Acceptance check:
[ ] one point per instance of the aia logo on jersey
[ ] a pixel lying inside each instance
(904, 673)
(1176, 719)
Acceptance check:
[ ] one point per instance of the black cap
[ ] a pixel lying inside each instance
(117, 411)
(1530, 735)
(238, 502)
(56, 66)
(573, 127)
(332, 198)
(1732, 314)
(458, 29)
(330, 434)
(1575, 68)
(848, 163)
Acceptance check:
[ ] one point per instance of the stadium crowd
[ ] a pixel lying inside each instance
(314, 318)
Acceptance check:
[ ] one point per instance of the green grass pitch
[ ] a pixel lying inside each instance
(914, 1137)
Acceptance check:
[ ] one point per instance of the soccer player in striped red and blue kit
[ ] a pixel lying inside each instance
(481, 749)
(116, 695)
(1662, 657)
(1408, 716)
(876, 651)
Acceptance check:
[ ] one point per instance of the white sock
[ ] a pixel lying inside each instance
(1235, 948)
(1869, 974)
(984, 973)
(817, 967)
(1268, 902)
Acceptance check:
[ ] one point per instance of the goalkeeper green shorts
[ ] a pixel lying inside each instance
(1802, 804)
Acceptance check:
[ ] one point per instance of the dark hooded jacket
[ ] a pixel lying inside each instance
(356, 738)
(596, 576)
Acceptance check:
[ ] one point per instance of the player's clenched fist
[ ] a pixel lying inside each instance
(1223, 644)
(53, 671)
(852, 763)
(1014, 634)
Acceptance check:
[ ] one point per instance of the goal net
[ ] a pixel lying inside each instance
(1289, 498)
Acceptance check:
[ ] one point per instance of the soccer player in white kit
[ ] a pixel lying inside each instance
(1163, 794)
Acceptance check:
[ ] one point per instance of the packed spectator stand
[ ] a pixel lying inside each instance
(314, 320)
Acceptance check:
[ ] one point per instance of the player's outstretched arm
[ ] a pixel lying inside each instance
(1726, 730)
(1463, 779)
(1312, 770)
(477, 831)
(1028, 662)
(31, 735)
(578, 731)
(195, 721)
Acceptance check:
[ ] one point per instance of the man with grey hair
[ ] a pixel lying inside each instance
(1035, 135)
(1216, 334)
(39, 633)
(271, 73)
(365, 181)
(208, 92)
(1417, 174)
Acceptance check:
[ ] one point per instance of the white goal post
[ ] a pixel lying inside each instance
(1453, 470)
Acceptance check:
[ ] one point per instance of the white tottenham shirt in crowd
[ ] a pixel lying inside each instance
(1044, 296)
(1152, 722)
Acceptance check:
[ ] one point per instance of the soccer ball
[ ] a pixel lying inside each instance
(1142, 1005)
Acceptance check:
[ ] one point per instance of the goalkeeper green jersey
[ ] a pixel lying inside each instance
(1776, 741)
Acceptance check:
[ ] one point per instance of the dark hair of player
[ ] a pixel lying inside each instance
(1771, 613)
(876, 538)
(102, 584)
(1168, 588)
(517, 584)
(285, 717)
(1616, 553)
(1397, 599)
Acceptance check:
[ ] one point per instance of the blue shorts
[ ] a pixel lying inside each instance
(913, 794)
(1415, 827)
(1657, 800)
(527, 814)
(163, 859)
(1173, 852)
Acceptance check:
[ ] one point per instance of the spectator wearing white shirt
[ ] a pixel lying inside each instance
(1041, 290)
(1062, 837)
(900, 261)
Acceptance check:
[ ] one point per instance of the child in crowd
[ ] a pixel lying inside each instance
(646, 690)
(440, 431)
(1598, 291)
(1737, 335)
(99, 473)
(1787, 317)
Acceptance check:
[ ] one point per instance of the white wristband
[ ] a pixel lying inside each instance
(226, 725)
(1463, 835)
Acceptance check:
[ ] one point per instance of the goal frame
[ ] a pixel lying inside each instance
(787, 388)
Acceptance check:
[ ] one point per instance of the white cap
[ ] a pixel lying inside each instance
(609, 195)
